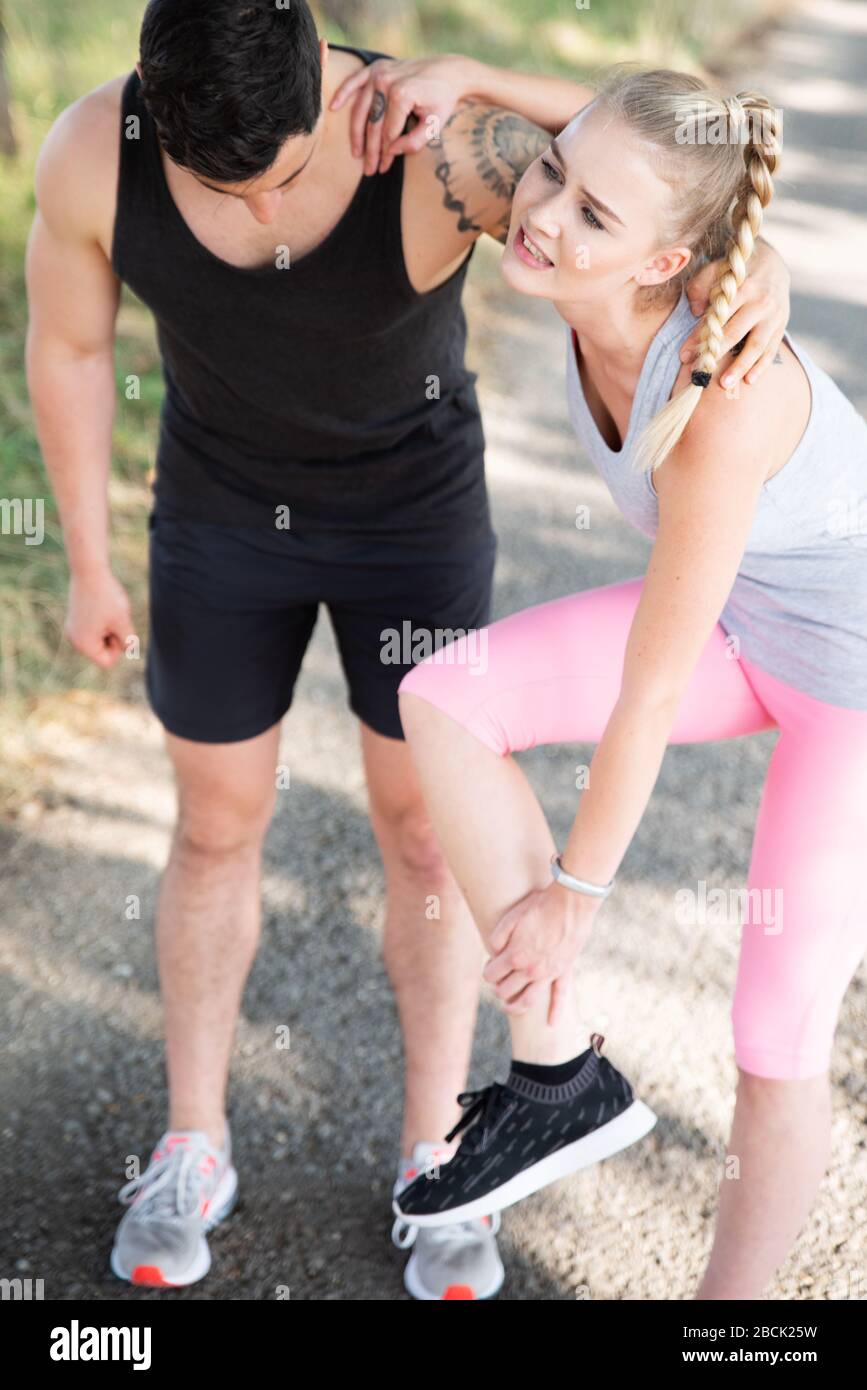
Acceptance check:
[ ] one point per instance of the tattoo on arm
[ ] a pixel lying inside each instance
(504, 145)
(486, 150)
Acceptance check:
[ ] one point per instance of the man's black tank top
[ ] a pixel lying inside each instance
(332, 387)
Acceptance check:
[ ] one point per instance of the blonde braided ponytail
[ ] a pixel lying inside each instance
(761, 157)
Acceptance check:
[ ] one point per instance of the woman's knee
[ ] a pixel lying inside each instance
(759, 1088)
(464, 680)
(428, 691)
(772, 1045)
(429, 704)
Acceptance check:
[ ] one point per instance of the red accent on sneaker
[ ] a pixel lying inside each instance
(459, 1291)
(151, 1275)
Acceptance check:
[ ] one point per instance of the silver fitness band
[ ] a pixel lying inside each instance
(578, 885)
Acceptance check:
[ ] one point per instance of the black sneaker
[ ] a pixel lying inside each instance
(521, 1136)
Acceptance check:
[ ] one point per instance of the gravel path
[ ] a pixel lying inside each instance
(83, 1085)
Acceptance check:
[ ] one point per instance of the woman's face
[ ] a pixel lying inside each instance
(590, 207)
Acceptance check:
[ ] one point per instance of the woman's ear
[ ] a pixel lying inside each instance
(664, 266)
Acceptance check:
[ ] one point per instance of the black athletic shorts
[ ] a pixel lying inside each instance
(232, 609)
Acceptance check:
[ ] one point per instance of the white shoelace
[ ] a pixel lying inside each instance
(461, 1233)
(170, 1186)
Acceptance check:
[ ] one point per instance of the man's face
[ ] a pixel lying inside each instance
(262, 196)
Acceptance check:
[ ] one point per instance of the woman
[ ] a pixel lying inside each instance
(752, 615)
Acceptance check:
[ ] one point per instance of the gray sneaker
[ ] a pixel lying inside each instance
(459, 1261)
(186, 1189)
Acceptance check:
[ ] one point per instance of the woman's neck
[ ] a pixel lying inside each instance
(615, 336)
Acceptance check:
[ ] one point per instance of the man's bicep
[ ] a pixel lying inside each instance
(461, 184)
(481, 155)
(72, 290)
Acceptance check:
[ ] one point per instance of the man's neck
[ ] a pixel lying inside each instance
(333, 142)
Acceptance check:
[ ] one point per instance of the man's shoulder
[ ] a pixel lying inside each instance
(90, 126)
(76, 172)
(471, 167)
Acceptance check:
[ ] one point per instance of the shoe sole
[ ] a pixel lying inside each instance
(627, 1128)
(416, 1289)
(151, 1276)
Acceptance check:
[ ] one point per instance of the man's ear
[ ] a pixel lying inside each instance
(138, 69)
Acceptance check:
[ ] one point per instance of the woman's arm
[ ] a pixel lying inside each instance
(760, 314)
(550, 102)
(430, 89)
(708, 490)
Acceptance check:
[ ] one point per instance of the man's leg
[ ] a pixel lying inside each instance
(431, 947)
(208, 915)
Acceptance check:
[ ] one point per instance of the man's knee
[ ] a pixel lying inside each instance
(223, 818)
(409, 843)
(221, 828)
(226, 793)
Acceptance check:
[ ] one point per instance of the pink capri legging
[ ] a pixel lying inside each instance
(552, 674)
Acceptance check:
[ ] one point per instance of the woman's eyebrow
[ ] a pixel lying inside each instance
(601, 206)
(558, 153)
(597, 202)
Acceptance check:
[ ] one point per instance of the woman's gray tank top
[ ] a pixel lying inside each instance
(798, 606)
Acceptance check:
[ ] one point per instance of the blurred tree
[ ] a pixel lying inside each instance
(7, 134)
(385, 21)
(356, 17)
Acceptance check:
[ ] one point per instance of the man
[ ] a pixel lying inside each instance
(320, 442)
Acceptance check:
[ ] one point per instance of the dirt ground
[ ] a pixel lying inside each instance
(82, 1086)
